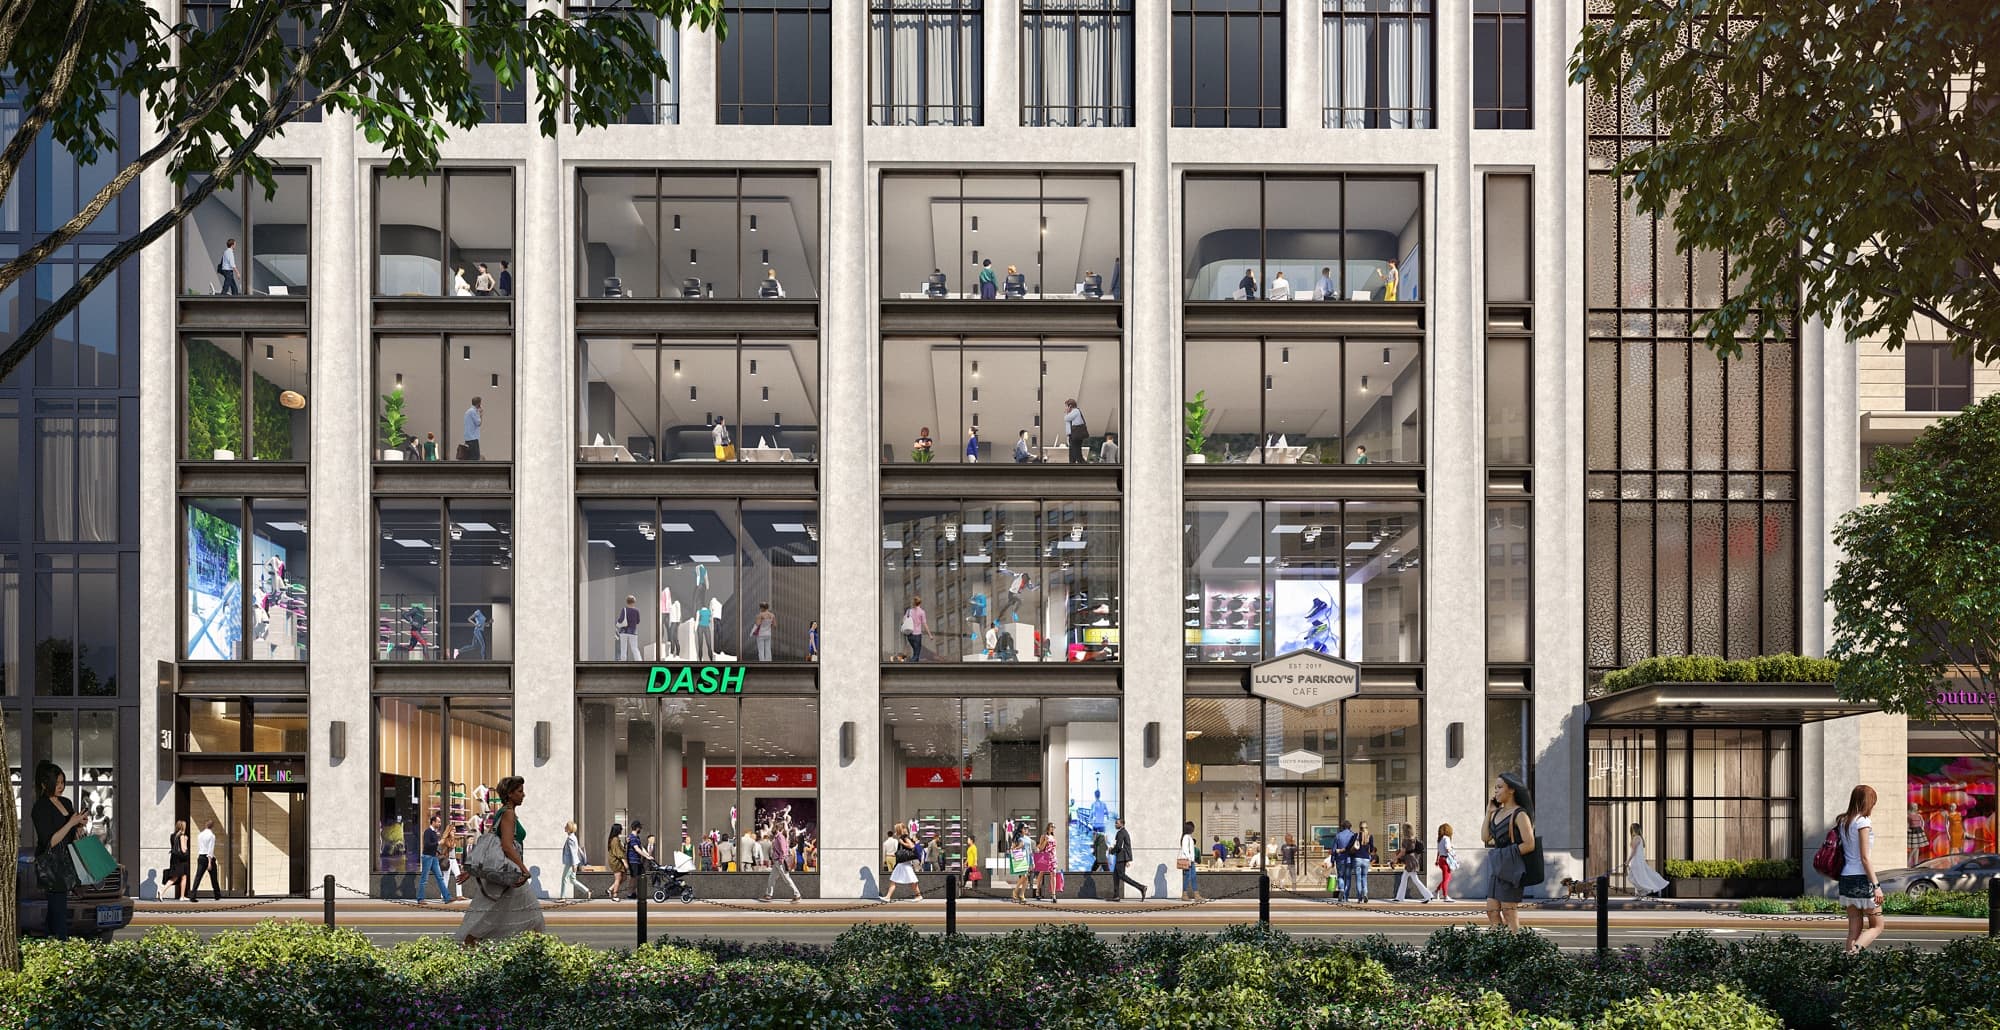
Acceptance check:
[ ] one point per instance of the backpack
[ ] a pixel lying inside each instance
(1831, 857)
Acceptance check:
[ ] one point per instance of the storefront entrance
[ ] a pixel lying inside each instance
(1305, 816)
(260, 836)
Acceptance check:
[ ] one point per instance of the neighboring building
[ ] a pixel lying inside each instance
(410, 535)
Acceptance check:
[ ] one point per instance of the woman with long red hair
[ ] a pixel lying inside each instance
(1859, 893)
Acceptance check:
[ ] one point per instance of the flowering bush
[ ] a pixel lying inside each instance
(889, 976)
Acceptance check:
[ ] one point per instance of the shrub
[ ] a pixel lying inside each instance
(1765, 907)
(1964, 904)
(1330, 975)
(1703, 668)
(1791, 668)
(1753, 869)
(1717, 1009)
(1813, 904)
(1798, 979)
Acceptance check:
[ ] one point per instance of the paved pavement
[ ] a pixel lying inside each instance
(614, 924)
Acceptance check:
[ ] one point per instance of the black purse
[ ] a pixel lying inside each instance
(55, 871)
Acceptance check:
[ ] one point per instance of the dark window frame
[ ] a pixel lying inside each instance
(1039, 15)
(445, 342)
(247, 253)
(246, 514)
(1264, 179)
(662, 178)
(1342, 342)
(739, 343)
(965, 24)
(883, 182)
(660, 105)
(503, 105)
(818, 108)
(1664, 798)
(446, 176)
(1185, 53)
(894, 453)
(1936, 377)
(440, 628)
(1337, 110)
(247, 440)
(1497, 16)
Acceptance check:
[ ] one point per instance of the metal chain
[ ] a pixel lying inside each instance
(1107, 910)
(259, 903)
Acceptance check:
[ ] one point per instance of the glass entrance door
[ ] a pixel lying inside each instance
(995, 809)
(261, 834)
(1305, 817)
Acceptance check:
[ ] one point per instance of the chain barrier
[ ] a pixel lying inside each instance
(1106, 910)
(243, 906)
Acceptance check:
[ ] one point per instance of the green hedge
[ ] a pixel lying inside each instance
(1963, 904)
(879, 977)
(1706, 668)
(1749, 869)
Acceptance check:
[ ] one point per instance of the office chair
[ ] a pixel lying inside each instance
(690, 289)
(934, 287)
(1017, 285)
(769, 290)
(613, 286)
(1093, 286)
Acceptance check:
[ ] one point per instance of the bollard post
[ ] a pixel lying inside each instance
(1603, 918)
(1993, 907)
(951, 905)
(326, 886)
(645, 893)
(1264, 900)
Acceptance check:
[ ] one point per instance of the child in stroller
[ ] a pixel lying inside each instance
(669, 881)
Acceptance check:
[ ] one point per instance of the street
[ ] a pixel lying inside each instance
(614, 925)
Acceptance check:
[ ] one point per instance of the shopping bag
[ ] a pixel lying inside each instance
(93, 859)
(1017, 862)
(1059, 881)
(1333, 885)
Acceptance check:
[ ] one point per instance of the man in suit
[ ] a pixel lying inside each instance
(1121, 850)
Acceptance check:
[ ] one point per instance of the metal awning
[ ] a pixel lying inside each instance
(1718, 703)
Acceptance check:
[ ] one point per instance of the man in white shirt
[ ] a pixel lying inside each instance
(1281, 287)
(1325, 290)
(227, 266)
(889, 845)
(204, 848)
(746, 852)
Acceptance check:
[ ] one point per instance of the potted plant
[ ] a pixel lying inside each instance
(393, 422)
(920, 455)
(1195, 427)
(1731, 878)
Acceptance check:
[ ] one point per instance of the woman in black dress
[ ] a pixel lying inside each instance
(177, 859)
(58, 823)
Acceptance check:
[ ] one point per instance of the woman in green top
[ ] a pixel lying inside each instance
(989, 284)
(499, 909)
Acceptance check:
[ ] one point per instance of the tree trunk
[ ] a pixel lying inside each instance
(10, 846)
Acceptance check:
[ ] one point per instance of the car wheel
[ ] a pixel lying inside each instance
(1920, 888)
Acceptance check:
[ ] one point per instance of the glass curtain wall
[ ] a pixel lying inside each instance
(433, 235)
(1267, 400)
(698, 235)
(444, 581)
(651, 398)
(711, 777)
(976, 398)
(1002, 237)
(272, 234)
(246, 397)
(1500, 65)
(1707, 793)
(1001, 581)
(444, 398)
(698, 576)
(1310, 238)
(1076, 62)
(1342, 578)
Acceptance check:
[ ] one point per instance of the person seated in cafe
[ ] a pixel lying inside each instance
(1220, 849)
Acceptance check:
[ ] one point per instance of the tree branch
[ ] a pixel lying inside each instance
(45, 106)
(13, 14)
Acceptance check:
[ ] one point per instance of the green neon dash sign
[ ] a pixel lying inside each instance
(695, 679)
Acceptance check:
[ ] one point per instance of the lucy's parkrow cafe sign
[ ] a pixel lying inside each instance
(695, 679)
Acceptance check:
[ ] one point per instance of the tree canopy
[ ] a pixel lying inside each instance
(1917, 596)
(220, 81)
(1846, 155)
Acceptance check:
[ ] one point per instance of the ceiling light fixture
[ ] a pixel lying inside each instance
(767, 393)
(1385, 355)
(496, 380)
(270, 352)
(767, 257)
(677, 223)
(975, 224)
(753, 366)
(1364, 384)
(677, 366)
(399, 380)
(693, 258)
(467, 354)
(692, 395)
(753, 223)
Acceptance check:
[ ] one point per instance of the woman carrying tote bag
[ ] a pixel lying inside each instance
(502, 904)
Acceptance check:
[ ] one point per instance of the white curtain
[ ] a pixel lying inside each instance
(79, 466)
(1099, 44)
(1396, 66)
(1358, 48)
(926, 68)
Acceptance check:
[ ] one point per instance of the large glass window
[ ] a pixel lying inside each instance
(444, 398)
(688, 581)
(1377, 63)
(1229, 63)
(927, 62)
(85, 745)
(1263, 776)
(698, 236)
(1936, 377)
(76, 646)
(1500, 68)
(503, 103)
(972, 770)
(10, 626)
(435, 756)
(246, 398)
(1002, 237)
(976, 399)
(727, 772)
(245, 597)
(1076, 62)
(1510, 580)
(1340, 578)
(265, 242)
(77, 451)
(1298, 238)
(1267, 401)
(660, 102)
(1001, 581)
(1509, 738)
(1509, 400)
(445, 235)
(678, 400)
(775, 64)
(1510, 241)
(444, 581)
(1725, 793)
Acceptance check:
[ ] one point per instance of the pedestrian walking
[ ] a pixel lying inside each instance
(1363, 851)
(1411, 858)
(178, 851)
(573, 860)
(1860, 894)
(1513, 861)
(448, 844)
(638, 857)
(1045, 863)
(915, 623)
(1121, 853)
(973, 874)
(1018, 863)
(781, 864)
(429, 869)
(1644, 880)
(906, 864)
(58, 823)
(1190, 854)
(226, 267)
(763, 629)
(204, 844)
(614, 858)
(1340, 859)
(499, 908)
(1447, 860)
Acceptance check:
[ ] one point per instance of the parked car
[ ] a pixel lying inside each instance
(1945, 873)
(95, 912)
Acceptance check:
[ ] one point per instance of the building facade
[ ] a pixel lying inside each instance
(927, 414)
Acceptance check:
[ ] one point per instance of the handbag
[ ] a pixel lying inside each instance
(909, 626)
(1333, 885)
(1451, 860)
(55, 871)
(1182, 862)
(487, 861)
(725, 452)
(1059, 880)
(905, 853)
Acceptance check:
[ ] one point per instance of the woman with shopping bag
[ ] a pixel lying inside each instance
(58, 823)
(1045, 863)
(502, 904)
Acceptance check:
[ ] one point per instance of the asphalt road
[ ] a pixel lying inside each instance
(609, 925)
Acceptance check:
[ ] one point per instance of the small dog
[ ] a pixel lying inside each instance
(1578, 889)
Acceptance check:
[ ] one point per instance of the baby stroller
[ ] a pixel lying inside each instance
(667, 882)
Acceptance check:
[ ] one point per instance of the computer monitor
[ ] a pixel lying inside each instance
(1017, 285)
(690, 289)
